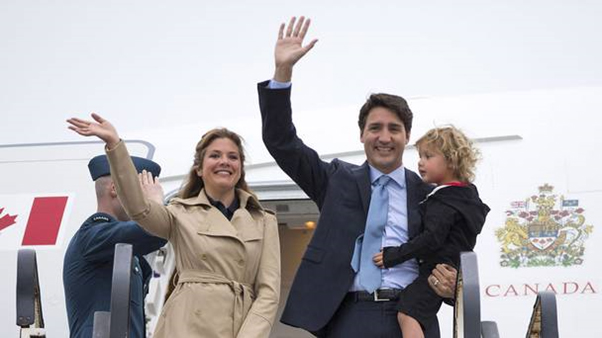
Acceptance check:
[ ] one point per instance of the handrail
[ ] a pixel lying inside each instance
(117, 322)
(489, 329)
(467, 310)
(29, 302)
(544, 318)
(29, 299)
(101, 324)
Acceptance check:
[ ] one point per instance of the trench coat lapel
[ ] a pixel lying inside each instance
(247, 226)
(216, 224)
(213, 223)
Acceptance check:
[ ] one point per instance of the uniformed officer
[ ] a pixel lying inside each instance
(88, 263)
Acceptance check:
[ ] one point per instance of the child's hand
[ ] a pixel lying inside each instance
(378, 260)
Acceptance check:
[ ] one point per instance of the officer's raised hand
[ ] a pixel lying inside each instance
(289, 47)
(151, 187)
(102, 128)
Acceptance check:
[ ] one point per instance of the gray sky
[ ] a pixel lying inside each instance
(159, 65)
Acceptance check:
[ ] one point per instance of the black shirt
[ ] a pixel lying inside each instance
(227, 212)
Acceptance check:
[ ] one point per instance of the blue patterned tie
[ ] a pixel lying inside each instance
(366, 246)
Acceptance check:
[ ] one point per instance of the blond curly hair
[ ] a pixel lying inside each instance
(459, 151)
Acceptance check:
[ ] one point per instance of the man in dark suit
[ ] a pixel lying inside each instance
(327, 297)
(88, 264)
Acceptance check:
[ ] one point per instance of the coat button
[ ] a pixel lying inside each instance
(241, 262)
(204, 257)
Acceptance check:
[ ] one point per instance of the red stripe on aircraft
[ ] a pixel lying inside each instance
(44, 220)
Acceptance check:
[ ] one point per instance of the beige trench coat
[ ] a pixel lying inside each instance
(229, 271)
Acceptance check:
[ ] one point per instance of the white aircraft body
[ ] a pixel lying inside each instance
(538, 174)
(523, 79)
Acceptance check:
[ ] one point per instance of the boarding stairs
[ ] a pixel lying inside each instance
(115, 323)
(112, 324)
(467, 310)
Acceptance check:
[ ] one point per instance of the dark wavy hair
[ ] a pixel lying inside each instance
(396, 104)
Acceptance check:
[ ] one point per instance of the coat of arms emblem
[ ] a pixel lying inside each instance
(543, 230)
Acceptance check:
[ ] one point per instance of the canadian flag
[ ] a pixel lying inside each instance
(6, 220)
(31, 220)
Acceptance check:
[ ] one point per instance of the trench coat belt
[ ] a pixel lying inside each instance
(243, 293)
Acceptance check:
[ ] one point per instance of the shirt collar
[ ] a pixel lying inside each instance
(231, 208)
(228, 212)
(398, 175)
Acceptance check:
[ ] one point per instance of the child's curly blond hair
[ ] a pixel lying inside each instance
(459, 152)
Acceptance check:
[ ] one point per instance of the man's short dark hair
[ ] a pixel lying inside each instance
(394, 103)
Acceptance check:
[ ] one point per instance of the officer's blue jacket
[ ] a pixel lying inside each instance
(88, 270)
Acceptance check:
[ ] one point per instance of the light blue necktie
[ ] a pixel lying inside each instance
(369, 244)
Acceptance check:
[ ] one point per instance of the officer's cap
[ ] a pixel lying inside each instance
(99, 166)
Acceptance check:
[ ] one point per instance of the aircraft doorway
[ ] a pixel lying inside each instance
(296, 220)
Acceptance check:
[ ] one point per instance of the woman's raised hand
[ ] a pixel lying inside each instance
(100, 128)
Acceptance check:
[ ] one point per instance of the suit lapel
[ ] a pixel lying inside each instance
(362, 178)
(415, 195)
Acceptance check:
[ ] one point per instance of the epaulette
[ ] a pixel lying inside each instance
(270, 211)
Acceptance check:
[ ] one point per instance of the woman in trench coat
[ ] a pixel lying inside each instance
(226, 245)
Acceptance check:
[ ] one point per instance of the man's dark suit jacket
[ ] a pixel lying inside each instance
(342, 193)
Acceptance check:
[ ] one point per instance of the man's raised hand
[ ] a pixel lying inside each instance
(289, 47)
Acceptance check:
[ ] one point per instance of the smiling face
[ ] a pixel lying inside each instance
(384, 137)
(221, 166)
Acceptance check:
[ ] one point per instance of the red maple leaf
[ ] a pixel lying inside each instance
(6, 220)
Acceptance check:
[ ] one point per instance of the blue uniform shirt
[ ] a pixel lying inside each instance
(88, 270)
